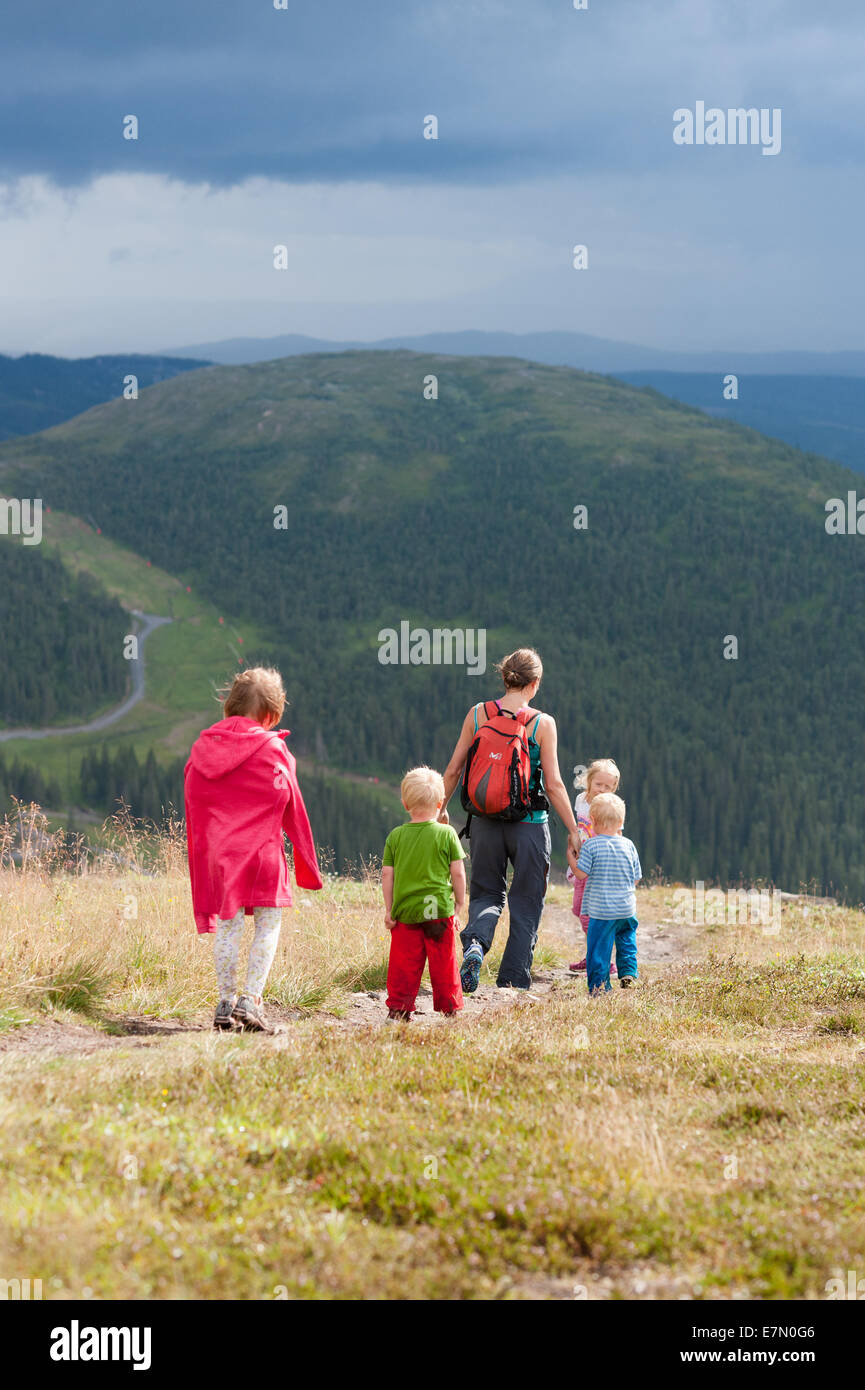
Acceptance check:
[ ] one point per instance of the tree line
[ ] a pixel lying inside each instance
(62, 638)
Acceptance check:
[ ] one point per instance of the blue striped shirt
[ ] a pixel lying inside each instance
(613, 868)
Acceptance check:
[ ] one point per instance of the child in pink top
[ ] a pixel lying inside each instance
(241, 796)
(601, 776)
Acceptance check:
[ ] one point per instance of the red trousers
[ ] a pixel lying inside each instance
(411, 946)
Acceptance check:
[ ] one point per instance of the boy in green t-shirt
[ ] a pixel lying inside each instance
(423, 881)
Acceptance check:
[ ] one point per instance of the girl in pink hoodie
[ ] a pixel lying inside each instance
(241, 794)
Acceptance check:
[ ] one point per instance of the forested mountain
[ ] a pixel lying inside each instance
(38, 391)
(458, 512)
(62, 640)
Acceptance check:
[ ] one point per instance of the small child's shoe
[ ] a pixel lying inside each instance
(223, 1019)
(578, 967)
(627, 981)
(398, 1016)
(613, 970)
(249, 1016)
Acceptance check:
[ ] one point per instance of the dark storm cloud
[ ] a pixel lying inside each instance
(331, 90)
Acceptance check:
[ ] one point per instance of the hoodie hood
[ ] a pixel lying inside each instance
(223, 747)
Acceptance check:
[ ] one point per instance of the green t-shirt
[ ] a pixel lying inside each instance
(421, 853)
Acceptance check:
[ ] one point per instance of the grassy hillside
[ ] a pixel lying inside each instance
(458, 513)
(700, 1137)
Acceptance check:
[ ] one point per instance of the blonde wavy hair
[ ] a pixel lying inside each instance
(255, 693)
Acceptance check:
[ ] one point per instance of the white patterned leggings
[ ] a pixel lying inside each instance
(226, 949)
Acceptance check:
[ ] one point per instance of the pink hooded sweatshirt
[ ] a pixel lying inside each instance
(241, 793)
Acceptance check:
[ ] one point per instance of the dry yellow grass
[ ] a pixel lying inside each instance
(125, 930)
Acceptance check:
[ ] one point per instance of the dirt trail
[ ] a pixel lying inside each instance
(660, 943)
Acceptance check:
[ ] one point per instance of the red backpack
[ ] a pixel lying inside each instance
(497, 782)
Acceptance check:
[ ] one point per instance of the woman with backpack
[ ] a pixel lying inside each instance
(506, 757)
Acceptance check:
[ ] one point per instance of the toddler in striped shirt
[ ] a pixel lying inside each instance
(610, 865)
(600, 776)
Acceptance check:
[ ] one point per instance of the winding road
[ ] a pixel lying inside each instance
(148, 623)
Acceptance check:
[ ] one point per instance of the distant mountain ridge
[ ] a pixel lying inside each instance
(558, 348)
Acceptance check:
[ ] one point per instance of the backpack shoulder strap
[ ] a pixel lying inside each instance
(485, 706)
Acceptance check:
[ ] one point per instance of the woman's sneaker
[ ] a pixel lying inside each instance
(249, 1016)
(471, 967)
(627, 981)
(224, 1018)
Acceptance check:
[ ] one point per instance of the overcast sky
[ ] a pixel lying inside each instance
(304, 127)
